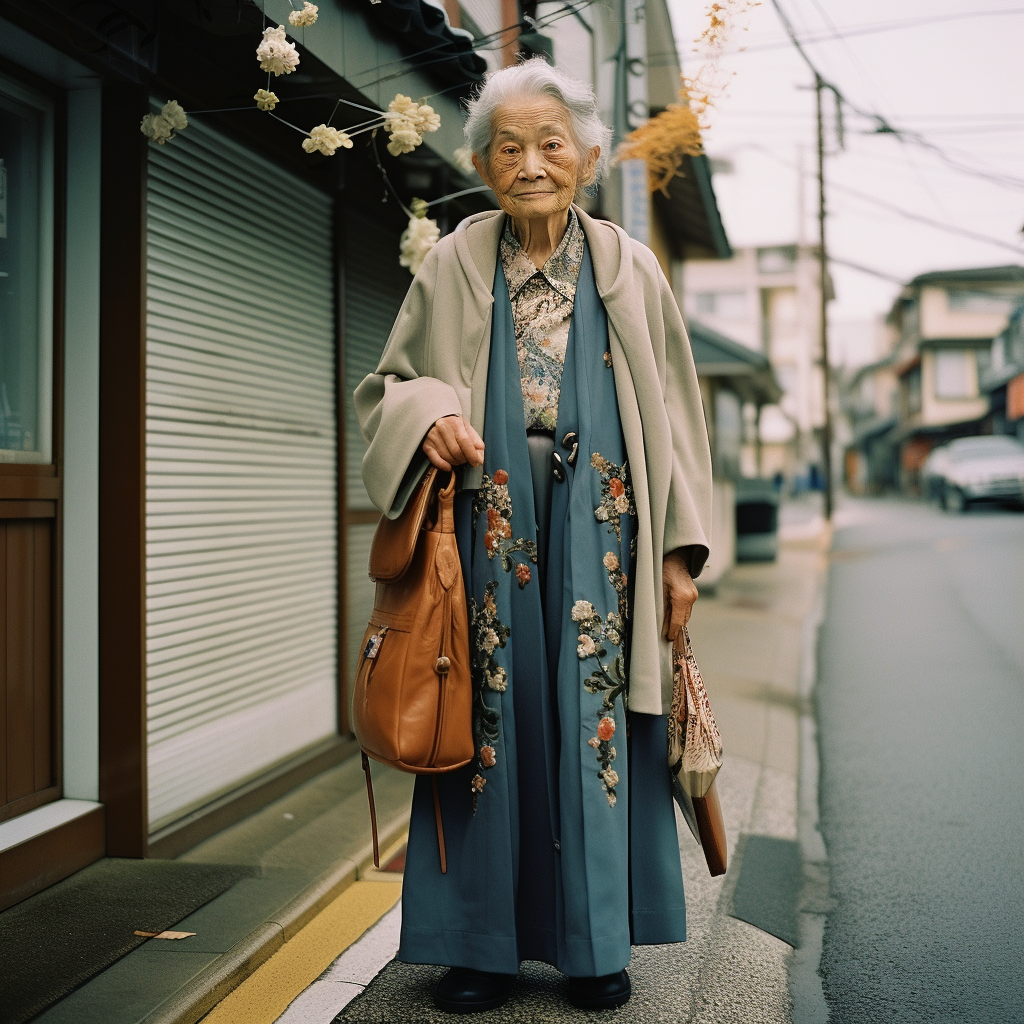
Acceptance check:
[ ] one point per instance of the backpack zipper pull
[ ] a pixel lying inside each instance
(373, 644)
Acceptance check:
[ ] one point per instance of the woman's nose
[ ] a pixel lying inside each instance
(532, 167)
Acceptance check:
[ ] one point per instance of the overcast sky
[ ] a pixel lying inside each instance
(959, 82)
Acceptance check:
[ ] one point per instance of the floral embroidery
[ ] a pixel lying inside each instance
(616, 493)
(609, 679)
(486, 634)
(493, 500)
(608, 359)
(598, 636)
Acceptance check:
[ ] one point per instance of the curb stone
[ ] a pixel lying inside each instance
(805, 982)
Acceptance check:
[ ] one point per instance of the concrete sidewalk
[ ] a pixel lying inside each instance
(754, 639)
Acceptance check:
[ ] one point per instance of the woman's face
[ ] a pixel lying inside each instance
(534, 165)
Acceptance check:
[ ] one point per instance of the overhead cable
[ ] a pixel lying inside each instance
(893, 208)
(883, 125)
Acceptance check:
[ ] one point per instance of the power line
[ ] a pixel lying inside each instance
(967, 118)
(899, 210)
(873, 94)
(883, 125)
(884, 26)
(866, 270)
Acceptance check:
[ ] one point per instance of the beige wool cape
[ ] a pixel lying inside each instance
(435, 364)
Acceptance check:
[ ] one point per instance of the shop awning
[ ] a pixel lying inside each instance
(427, 39)
(690, 212)
(741, 369)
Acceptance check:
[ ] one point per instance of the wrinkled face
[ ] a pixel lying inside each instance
(534, 165)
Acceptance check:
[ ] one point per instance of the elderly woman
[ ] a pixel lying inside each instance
(541, 352)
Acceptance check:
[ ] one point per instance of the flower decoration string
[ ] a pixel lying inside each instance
(406, 121)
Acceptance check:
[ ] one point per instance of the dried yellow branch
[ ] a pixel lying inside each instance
(663, 142)
(677, 132)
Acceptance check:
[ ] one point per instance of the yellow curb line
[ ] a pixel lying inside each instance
(266, 993)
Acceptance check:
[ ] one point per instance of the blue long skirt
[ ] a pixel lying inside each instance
(450, 919)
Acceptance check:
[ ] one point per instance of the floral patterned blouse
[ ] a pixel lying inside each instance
(542, 302)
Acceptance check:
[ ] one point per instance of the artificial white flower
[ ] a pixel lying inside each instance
(611, 561)
(417, 240)
(308, 15)
(622, 504)
(498, 679)
(174, 114)
(405, 140)
(428, 120)
(275, 53)
(326, 140)
(408, 121)
(265, 99)
(160, 128)
(402, 106)
(463, 159)
(156, 129)
(582, 610)
(586, 647)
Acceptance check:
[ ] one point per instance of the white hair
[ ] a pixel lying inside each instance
(535, 78)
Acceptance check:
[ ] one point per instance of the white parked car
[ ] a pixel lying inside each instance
(987, 468)
(933, 472)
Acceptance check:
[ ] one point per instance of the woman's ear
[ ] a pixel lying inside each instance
(481, 169)
(588, 172)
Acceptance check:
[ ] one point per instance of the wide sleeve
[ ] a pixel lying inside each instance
(688, 517)
(398, 404)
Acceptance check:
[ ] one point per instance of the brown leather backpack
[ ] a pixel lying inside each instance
(412, 704)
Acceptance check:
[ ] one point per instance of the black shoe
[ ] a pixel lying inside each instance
(601, 993)
(463, 990)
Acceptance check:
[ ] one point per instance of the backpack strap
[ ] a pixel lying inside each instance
(373, 817)
(440, 826)
(373, 810)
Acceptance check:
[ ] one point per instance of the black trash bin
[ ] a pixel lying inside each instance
(757, 520)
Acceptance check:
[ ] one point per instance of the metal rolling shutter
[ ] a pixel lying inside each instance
(241, 508)
(375, 286)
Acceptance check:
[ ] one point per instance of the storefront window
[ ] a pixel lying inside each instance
(26, 274)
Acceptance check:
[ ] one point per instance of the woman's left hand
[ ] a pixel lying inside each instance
(679, 592)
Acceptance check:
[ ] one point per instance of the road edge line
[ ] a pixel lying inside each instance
(805, 982)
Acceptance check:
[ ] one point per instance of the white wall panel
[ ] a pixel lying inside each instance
(241, 510)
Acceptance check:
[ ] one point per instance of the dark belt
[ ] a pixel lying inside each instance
(570, 443)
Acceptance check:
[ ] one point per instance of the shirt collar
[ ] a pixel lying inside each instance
(562, 269)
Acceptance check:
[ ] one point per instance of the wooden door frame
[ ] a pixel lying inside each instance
(27, 488)
(122, 479)
(36, 489)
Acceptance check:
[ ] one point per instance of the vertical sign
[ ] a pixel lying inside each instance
(636, 202)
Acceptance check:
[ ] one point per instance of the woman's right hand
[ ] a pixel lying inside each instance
(452, 441)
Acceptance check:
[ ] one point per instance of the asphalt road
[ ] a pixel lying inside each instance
(921, 715)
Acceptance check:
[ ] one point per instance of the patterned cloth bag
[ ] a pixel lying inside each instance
(694, 742)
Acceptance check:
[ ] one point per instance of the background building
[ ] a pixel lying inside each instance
(768, 299)
(943, 324)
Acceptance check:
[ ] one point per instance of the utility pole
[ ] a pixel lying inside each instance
(823, 281)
